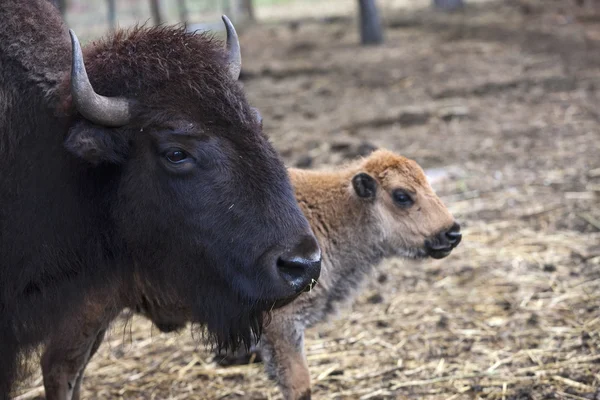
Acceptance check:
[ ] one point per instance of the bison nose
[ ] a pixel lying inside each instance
(300, 266)
(453, 235)
(442, 244)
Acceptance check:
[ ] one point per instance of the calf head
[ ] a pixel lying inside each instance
(193, 192)
(410, 219)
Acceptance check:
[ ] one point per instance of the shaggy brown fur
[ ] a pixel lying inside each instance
(136, 61)
(186, 200)
(357, 222)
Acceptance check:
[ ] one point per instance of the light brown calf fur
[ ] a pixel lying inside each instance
(375, 208)
(355, 234)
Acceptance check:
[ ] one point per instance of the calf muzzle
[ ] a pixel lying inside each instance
(444, 242)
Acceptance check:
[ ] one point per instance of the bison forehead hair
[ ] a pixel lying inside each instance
(167, 70)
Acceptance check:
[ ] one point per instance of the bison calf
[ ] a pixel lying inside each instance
(376, 208)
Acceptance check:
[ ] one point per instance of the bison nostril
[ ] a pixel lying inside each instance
(298, 272)
(455, 229)
(301, 266)
(444, 242)
(454, 237)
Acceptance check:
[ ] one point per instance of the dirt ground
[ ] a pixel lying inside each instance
(501, 104)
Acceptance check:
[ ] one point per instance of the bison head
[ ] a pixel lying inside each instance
(411, 219)
(199, 200)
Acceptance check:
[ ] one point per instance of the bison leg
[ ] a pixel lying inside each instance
(65, 359)
(93, 350)
(284, 358)
(8, 361)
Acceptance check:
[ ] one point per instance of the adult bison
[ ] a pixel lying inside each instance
(152, 174)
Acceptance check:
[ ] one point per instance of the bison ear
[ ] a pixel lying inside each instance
(364, 185)
(96, 144)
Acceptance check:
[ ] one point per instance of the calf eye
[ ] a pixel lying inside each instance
(402, 199)
(176, 156)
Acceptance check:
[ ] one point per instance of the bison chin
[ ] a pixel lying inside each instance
(227, 321)
(240, 332)
(241, 326)
(241, 329)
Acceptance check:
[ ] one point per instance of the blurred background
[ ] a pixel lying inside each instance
(499, 101)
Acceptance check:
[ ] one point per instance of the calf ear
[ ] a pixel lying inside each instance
(96, 144)
(364, 185)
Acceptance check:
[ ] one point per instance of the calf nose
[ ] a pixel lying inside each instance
(453, 235)
(442, 244)
(300, 266)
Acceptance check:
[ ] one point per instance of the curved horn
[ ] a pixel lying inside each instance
(101, 110)
(234, 56)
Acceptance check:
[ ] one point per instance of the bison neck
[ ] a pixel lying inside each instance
(54, 225)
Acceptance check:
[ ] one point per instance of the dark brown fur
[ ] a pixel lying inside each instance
(89, 210)
(355, 234)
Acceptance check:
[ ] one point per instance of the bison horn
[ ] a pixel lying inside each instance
(234, 56)
(101, 110)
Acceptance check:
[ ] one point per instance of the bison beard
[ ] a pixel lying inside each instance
(91, 207)
(227, 321)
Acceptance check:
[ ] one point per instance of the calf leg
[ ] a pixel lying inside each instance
(283, 355)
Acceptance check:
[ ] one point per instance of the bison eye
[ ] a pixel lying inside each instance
(176, 156)
(402, 199)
